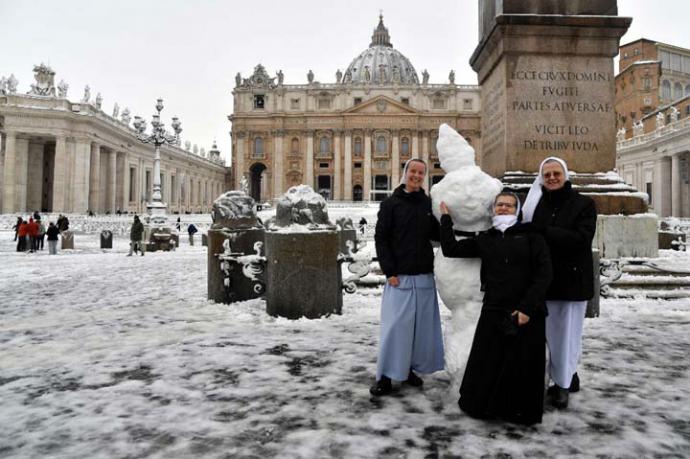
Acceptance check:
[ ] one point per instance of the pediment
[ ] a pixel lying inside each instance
(381, 105)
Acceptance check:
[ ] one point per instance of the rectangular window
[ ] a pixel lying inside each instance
(648, 189)
(467, 104)
(647, 83)
(323, 165)
(439, 103)
(259, 101)
(132, 184)
(358, 165)
(665, 59)
(357, 101)
(324, 103)
(675, 62)
(294, 104)
(406, 101)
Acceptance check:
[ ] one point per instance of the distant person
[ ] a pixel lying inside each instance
(177, 225)
(62, 223)
(191, 229)
(16, 227)
(136, 233)
(37, 216)
(52, 233)
(119, 212)
(32, 234)
(362, 224)
(41, 235)
(22, 233)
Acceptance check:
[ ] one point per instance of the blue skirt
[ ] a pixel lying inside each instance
(411, 336)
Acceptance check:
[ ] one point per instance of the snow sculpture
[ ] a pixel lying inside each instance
(469, 194)
(231, 208)
(301, 205)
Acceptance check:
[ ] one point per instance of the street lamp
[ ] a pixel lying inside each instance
(159, 136)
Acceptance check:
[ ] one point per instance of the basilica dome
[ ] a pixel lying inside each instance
(381, 63)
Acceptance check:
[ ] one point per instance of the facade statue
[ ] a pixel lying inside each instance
(620, 135)
(382, 74)
(195, 149)
(238, 80)
(99, 100)
(338, 76)
(660, 120)
(367, 74)
(638, 129)
(244, 185)
(310, 76)
(202, 152)
(3, 86)
(187, 145)
(62, 89)
(425, 77)
(675, 114)
(87, 95)
(348, 76)
(280, 77)
(451, 77)
(126, 117)
(116, 110)
(12, 83)
(45, 81)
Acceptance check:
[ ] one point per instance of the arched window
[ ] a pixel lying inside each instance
(358, 146)
(324, 145)
(357, 193)
(258, 146)
(294, 147)
(666, 90)
(381, 145)
(677, 91)
(405, 146)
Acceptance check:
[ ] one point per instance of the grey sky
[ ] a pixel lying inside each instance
(189, 52)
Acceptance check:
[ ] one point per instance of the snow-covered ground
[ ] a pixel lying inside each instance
(103, 355)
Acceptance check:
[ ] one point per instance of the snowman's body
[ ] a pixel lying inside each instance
(469, 194)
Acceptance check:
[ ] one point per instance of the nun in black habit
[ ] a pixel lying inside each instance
(504, 376)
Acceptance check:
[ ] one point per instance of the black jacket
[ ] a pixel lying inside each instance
(516, 267)
(52, 233)
(567, 220)
(404, 230)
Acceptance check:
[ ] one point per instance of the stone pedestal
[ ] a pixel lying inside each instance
(160, 238)
(547, 83)
(303, 277)
(241, 287)
(67, 238)
(106, 239)
(627, 236)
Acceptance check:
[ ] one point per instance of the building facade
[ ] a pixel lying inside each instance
(651, 75)
(348, 139)
(71, 157)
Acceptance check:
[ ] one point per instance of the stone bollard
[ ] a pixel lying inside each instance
(303, 277)
(67, 240)
(234, 225)
(106, 239)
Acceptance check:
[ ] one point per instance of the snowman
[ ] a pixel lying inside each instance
(469, 194)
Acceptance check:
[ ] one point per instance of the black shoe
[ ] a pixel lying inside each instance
(414, 380)
(574, 384)
(560, 398)
(382, 387)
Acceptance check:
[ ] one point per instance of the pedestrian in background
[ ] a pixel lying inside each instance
(136, 234)
(52, 233)
(191, 229)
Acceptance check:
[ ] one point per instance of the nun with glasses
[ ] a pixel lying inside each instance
(410, 336)
(567, 220)
(504, 376)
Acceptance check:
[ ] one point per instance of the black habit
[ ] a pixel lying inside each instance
(504, 377)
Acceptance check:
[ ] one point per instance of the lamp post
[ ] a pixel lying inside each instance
(158, 136)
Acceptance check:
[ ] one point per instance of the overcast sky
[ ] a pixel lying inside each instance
(134, 51)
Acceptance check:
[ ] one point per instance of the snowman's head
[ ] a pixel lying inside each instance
(454, 152)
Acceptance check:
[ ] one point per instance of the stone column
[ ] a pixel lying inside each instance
(347, 176)
(415, 146)
(95, 178)
(125, 182)
(238, 157)
(59, 174)
(309, 164)
(111, 204)
(337, 138)
(425, 158)
(676, 201)
(81, 175)
(22, 171)
(34, 187)
(395, 161)
(366, 186)
(661, 199)
(9, 173)
(278, 169)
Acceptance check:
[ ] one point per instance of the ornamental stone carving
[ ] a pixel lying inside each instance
(87, 95)
(660, 120)
(674, 114)
(259, 79)
(3, 86)
(310, 76)
(425, 77)
(62, 89)
(187, 145)
(116, 110)
(99, 101)
(451, 77)
(281, 77)
(45, 81)
(638, 129)
(126, 116)
(338, 76)
(12, 83)
(238, 80)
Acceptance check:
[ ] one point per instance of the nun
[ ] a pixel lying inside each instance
(504, 376)
(410, 340)
(567, 220)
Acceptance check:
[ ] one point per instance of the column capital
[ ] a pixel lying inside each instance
(238, 134)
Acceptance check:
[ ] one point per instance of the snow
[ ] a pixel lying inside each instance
(103, 355)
